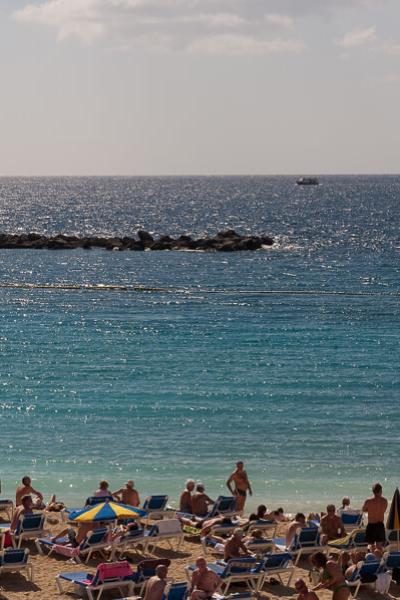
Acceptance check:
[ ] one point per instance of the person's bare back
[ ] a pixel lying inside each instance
(375, 508)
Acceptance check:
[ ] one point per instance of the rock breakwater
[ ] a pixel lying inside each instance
(224, 241)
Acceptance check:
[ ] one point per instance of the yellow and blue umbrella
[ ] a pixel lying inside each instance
(106, 511)
(393, 520)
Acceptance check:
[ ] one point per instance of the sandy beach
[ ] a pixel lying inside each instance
(16, 586)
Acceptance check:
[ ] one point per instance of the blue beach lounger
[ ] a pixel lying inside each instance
(237, 570)
(15, 560)
(277, 563)
(305, 541)
(29, 527)
(108, 576)
(95, 541)
(368, 570)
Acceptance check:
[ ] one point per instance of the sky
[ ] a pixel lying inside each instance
(208, 87)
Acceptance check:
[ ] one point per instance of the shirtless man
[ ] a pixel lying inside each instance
(156, 585)
(185, 500)
(128, 495)
(376, 507)
(235, 547)
(25, 508)
(200, 501)
(26, 489)
(298, 523)
(303, 592)
(332, 526)
(204, 582)
(242, 486)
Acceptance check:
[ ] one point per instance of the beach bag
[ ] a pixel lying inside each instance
(7, 543)
(382, 583)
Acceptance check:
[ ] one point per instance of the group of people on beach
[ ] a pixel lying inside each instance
(194, 505)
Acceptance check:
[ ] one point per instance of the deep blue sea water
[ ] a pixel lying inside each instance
(287, 358)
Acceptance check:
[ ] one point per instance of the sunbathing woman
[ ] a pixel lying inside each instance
(331, 575)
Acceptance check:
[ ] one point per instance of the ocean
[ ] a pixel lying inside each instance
(286, 358)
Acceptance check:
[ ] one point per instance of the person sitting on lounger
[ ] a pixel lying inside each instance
(156, 585)
(25, 508)
(200, 501)
(26, 489)
(103, 491)
(185, 500)
(332, 577)
(303, 592)
(298, 523)
(331, 525)
(204, 582)
(235, 547)
(346, 508)
(128, 495)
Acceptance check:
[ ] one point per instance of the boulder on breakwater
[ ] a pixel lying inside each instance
(224, 241)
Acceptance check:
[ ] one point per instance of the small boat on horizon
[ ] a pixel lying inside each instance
(307, 181)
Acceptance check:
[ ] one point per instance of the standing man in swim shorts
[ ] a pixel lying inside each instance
(376, 507)
(242, 485)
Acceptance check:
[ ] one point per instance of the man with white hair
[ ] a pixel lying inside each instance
(235, 547)
(204, 581)
(128, 495)
(185, 500)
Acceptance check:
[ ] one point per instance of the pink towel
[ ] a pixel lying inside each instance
(66, 550)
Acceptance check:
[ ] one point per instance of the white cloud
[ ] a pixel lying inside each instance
(358, 37)
(283, 21)
(242, 45)
(222, 26)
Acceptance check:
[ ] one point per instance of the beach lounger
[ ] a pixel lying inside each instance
(15, 560)
(260, 547)
(237, 570)
(306, 541)
(128, 541)
(168, 529)
(156, 507)
(146, 569)
(393, 539)
(29, 527)
(355, 540)
(107, 576)
(364, 575)
(174, 591)
(352, 520)
(97, 541)
(278, 563)
(224, 506)
(265, 525)
(7, 506)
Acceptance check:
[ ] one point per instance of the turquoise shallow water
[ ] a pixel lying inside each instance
(287, 358)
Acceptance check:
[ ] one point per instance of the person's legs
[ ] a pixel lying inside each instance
(199, 595)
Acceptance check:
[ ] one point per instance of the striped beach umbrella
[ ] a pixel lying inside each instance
(393, 520)
(106, 511)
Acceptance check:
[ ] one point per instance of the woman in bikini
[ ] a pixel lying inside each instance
(331, 575)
